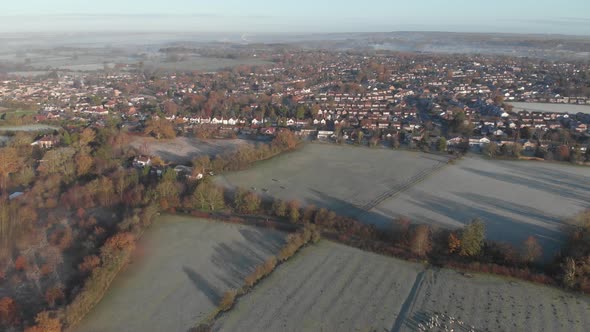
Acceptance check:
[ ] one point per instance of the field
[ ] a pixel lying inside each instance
(514, 198)
(185, 149)
(343, 178)
(31, 127)
(330, 287)
(182, 268)
(544, 107)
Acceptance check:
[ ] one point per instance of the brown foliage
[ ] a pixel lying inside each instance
(89, 263)
(531, 249)
(20, 264)
(53, 295)
(420, 242)
(227, 300)
(45, 322)
(454, 243)
(8, 311)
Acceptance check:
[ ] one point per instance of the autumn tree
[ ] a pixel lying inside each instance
(227, 300)
(10, 162)
(531, 250)
(294, 213)
(472, 238)
(53, 295)
(89, 263)
(279, 208)
(207, 197)
(454, 243)
(45, 322)
(420, 240)
(160, 128)
(8, 312)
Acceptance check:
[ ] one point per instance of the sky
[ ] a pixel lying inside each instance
(299, 16)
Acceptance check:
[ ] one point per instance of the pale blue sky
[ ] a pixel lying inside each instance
(526, 16)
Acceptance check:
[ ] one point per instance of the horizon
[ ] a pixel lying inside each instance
(525, 17)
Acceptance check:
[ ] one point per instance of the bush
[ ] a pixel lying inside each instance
(227, 300)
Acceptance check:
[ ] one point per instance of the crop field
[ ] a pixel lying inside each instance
(327, 287)
(346, 179)
(185, 149)
(490, 303)
(30, 127)
(330, 287)
(545, 107)
(514, 198)
(182, 268)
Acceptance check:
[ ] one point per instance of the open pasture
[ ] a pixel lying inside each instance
(182, 268)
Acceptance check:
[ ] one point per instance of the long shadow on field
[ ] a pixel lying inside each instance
(503, 205)
(202, 285)
(236, 260)
(350, 210)
(548, 184)
(555, 177)
(499, 227)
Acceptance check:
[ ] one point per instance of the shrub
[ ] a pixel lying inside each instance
(227, 300)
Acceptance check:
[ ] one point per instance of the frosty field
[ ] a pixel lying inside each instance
(346, 179)
(330, 287)
(514, 198)
(182, 268)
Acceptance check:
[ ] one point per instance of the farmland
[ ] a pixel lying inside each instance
(185, 149)
(514, 198)
(182, 267)
(328, 287)
(331, 287)
(526, 198)
(337, 177)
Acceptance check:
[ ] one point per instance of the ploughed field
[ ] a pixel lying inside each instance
(346, 179)
(515, 199)
(331, 287)
(183, 267)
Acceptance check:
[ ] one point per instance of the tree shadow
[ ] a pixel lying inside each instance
(202, 285)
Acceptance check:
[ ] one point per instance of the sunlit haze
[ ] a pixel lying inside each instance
(564, 17)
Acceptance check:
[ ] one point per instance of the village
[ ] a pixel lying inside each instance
(331, 96)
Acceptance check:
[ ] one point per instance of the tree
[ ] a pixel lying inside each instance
(87, 136)
(490, 149)
(45, 322)
(227, 300)
(472, 238)
(207, 197)
(83, 163)
(8, 311)
(89, 263)
(279, 208)
(420, 242)
(53, 295)
(10, 162)
(442, 144)
(531, 250)
(160, 128)
(454, 243)
(294, 213)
